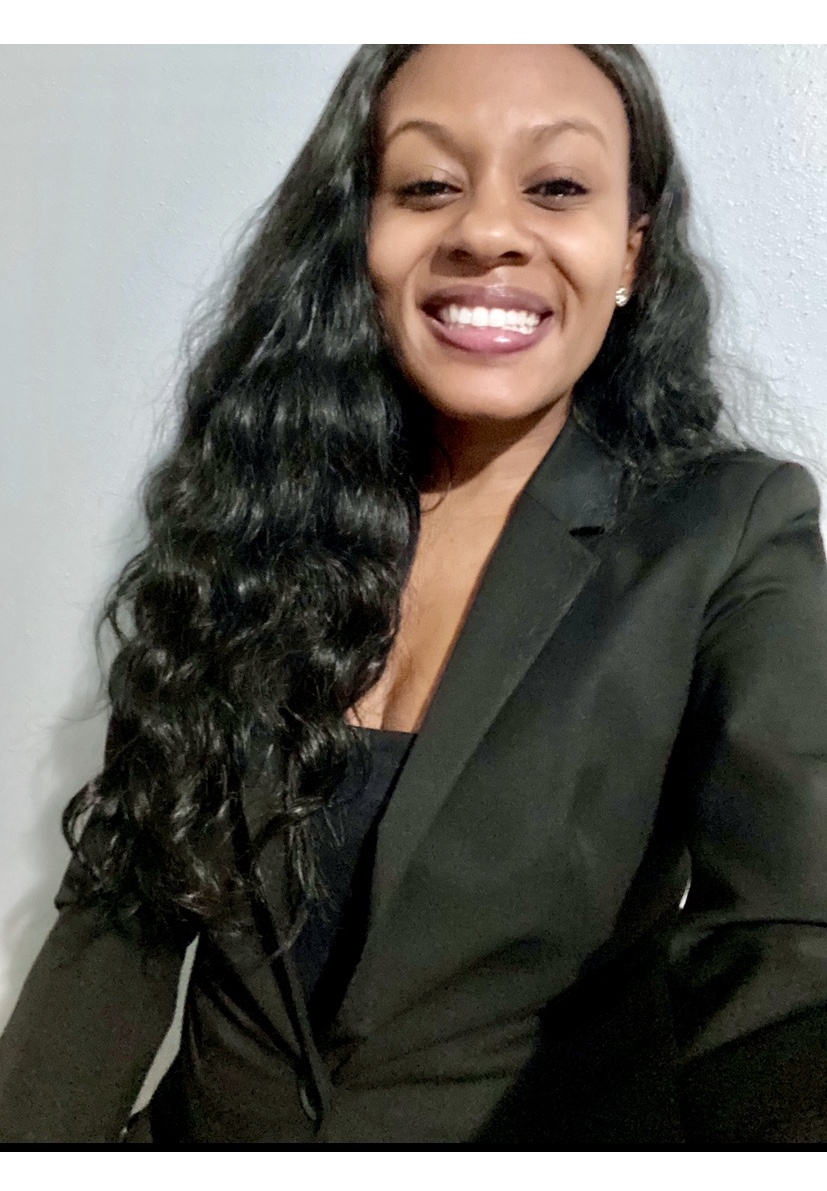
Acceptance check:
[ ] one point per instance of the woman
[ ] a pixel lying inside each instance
(459, 636)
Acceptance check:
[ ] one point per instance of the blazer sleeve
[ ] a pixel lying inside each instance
(749, 958)
(88, 1023)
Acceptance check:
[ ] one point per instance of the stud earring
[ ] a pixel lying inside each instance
(622, 296)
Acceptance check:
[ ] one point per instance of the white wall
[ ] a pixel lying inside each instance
(751, 122)
(127, 175)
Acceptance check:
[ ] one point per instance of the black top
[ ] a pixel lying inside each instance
(331, 939)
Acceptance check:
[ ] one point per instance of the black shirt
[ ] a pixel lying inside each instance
(329, 944)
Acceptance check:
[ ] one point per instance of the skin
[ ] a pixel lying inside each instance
(475, 189)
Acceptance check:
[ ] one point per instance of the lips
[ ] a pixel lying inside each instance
(487, 319)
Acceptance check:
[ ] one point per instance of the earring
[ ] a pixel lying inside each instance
(622, 296)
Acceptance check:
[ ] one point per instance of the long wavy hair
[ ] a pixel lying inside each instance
(283, 522)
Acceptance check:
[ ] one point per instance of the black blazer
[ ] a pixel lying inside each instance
(631, 693)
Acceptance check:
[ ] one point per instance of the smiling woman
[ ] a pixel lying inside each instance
(484, 204)
(461, 640)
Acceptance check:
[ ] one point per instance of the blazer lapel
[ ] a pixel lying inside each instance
(535, 573)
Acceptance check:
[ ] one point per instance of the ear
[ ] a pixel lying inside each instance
(634, 243)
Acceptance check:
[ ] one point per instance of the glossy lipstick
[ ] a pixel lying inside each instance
(488, 320)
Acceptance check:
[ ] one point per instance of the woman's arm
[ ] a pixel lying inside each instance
(91, 1016)
(749, 960)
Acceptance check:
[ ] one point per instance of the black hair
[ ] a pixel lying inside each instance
(650, 396)
(283, 522)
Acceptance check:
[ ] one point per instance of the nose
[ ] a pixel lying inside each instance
(490, 228)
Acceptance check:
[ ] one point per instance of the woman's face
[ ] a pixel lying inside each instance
(500, 225)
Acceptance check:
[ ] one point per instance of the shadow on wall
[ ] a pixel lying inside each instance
(72, 757)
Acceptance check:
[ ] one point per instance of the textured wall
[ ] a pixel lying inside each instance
(751, 122)
(128, 174)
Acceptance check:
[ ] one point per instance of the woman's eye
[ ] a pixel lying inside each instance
(425, 192)
(557, 189)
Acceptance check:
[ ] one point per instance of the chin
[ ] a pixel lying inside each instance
(498, 405)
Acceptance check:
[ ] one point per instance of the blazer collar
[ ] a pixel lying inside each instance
(577, 481)
(536, 571)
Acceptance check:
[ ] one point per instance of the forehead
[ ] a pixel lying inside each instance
(503, 90)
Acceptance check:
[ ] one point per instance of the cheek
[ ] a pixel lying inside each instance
(388, 250)
(387, 276)
(591, 255)
(378, 257)
(399, 250)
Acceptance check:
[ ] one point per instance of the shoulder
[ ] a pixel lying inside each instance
(737, 514)
(726, 499)
(742, 477)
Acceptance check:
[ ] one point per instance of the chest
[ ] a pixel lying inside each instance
(450, 560)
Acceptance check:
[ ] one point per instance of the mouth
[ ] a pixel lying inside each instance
(487, 320)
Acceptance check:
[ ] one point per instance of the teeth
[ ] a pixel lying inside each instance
(524, 321)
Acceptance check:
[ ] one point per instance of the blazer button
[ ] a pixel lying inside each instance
(306, 1099)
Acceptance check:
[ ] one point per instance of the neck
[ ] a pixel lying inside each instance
(491, 461)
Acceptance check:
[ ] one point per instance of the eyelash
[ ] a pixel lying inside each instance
(563, 188)
(554, 189)
(425, 190)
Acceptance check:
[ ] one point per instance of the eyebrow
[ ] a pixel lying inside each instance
(540, 132)
(547, 131)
